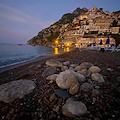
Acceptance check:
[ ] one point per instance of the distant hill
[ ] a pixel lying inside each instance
(47, 35)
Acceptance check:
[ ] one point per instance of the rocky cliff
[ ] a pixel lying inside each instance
(47, 36)
(117, 13)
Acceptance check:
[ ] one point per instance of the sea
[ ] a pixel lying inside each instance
(13, 54)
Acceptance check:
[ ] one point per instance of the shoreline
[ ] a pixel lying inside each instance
(18, 71)
(7, 68)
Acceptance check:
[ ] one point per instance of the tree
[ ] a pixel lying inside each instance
(114, 24)
(101, 9)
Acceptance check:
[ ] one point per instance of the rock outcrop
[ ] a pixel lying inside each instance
(47, 36)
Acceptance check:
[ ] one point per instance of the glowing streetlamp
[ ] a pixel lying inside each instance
(56, 42)
(68, 44)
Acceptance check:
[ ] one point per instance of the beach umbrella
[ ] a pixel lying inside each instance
(112, 45)
(116, 45)
(94, 44)
(90, 45)
(108, 41)
(100, 42)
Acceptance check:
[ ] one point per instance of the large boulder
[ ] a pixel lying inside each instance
(15, 90)
(94, 69)
(97, 77)
(49, 71)
(52, 77)
(74, 108)
(65, 79)
(53, 63)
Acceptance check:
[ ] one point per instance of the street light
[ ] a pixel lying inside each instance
(56, 41)
(68, 44)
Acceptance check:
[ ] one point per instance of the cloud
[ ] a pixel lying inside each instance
(17, 26)
(9, 13)
(12, 14)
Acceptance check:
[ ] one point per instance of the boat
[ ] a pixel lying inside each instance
(20, 44)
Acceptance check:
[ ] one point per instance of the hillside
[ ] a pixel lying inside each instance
(85, 23)
(48, 35)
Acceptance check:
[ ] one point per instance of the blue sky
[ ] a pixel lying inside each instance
(20, 20)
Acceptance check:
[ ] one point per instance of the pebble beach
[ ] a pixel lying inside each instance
(48, 99)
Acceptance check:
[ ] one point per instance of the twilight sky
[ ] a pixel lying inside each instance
(20, 20)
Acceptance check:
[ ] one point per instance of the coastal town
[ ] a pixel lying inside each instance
(88, 29)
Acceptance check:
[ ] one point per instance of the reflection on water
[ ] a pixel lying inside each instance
(61, 50)
(56, 51)
(66, 49)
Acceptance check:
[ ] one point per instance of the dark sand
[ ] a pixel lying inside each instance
(36, 106)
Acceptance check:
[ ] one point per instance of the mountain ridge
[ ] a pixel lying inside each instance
(47, 35)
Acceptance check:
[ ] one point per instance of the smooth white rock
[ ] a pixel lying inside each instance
(65, 79)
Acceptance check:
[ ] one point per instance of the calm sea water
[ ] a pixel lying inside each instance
(11, 54)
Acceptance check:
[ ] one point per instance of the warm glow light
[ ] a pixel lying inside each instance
(68, 49)
(56, 41)
(76, 44)
(64, 49)
(56, 51)
(68, 44)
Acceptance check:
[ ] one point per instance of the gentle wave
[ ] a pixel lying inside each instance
(7, 63)
(14, 54)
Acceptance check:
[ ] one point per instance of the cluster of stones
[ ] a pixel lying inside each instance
(73, 78)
